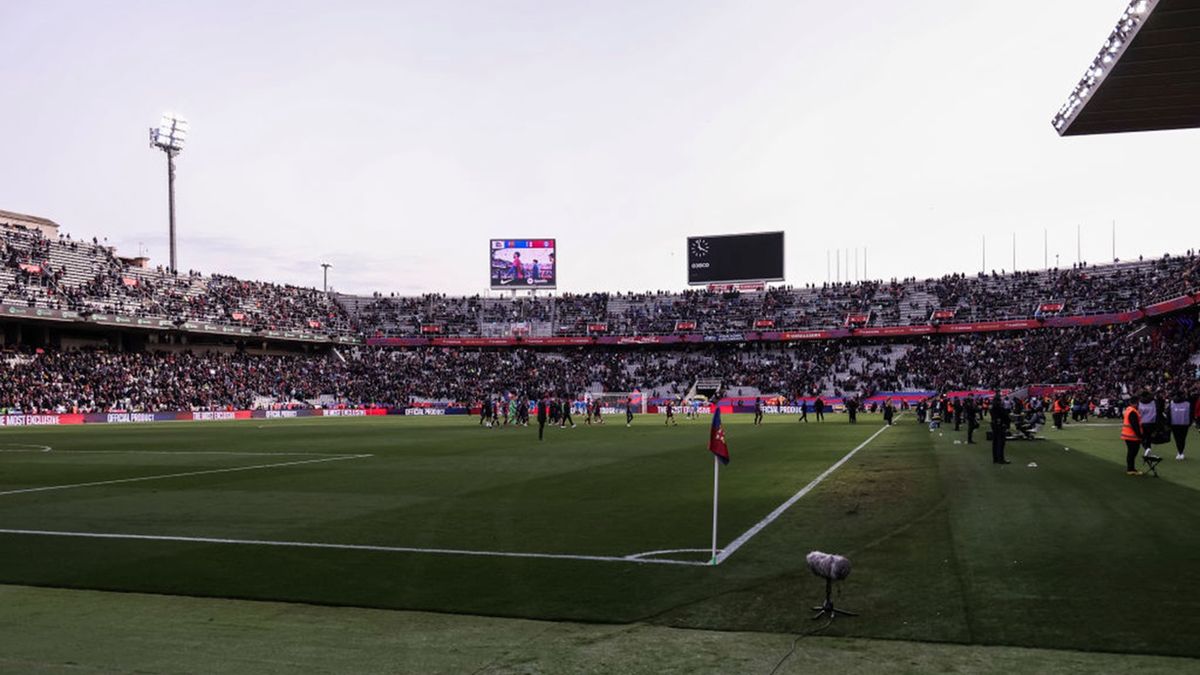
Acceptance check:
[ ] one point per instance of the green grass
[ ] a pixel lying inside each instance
(947, 547)
(52, 630)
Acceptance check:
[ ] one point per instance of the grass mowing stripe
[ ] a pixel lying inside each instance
(351, 547)
(232, 453)
(779, 510)
(46, 488)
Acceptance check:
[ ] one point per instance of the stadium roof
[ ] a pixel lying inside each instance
(47, 226)
(1146, 76)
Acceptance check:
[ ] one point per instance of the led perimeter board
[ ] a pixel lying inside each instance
(735, 257)
(522, 263)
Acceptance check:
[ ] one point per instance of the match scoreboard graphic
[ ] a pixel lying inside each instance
(523, 263)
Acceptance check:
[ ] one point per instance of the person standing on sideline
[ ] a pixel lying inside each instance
(1148, 415)
(852, 410)
(542, 411)
(1000, 422)
(972, 413)
(819, 408)
(1131, 433)
(758, 411)
(671, 413)
(1181, 422)
(566, 414)
(628, 411)
(803, 411)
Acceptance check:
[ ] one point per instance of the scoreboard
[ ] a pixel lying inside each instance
(735, 257)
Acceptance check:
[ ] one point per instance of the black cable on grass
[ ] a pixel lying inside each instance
(796, 641)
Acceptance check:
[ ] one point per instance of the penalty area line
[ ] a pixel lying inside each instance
(183, 474)
(779, 511)
(348, 547)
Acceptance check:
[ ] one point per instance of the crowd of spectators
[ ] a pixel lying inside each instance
(1103, 362)
(1109, 361)
(1081, 290)
(69, 274)
(88, 277)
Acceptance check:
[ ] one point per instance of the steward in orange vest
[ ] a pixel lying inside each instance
(1059, 412)
(1131, 433)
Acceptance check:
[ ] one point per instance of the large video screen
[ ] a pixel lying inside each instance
(735, 257)
(523, 263)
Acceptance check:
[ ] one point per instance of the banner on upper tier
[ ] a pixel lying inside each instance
(888, 331)
(989, 326)
(1172, 305)
(121, 321)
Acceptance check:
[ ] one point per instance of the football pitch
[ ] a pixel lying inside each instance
(611, 525)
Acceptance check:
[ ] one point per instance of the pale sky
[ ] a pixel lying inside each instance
(393, 139)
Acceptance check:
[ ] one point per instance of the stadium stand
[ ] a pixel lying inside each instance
(1080, 291)
(43, 272)
(88, 277)
(1109, 361)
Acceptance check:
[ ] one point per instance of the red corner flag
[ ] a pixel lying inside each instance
(716, 439)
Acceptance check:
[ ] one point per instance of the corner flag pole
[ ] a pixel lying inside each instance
(716, 484)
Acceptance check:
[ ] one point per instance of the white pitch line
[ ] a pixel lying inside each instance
(665, 551)
(181, 475)
(23, 447)
(762, 524)
(349, 547)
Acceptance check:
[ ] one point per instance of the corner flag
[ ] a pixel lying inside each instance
(716, 439)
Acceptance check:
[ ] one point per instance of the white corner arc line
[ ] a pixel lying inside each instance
(348, 547)
(665, 551)
(779, 510)
(47, 488)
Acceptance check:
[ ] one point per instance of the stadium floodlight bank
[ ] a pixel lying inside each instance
(169, 136)
(1115, 46)
(1143, 78)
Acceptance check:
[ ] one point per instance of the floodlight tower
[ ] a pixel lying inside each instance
(169, 136)
(325, 285)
